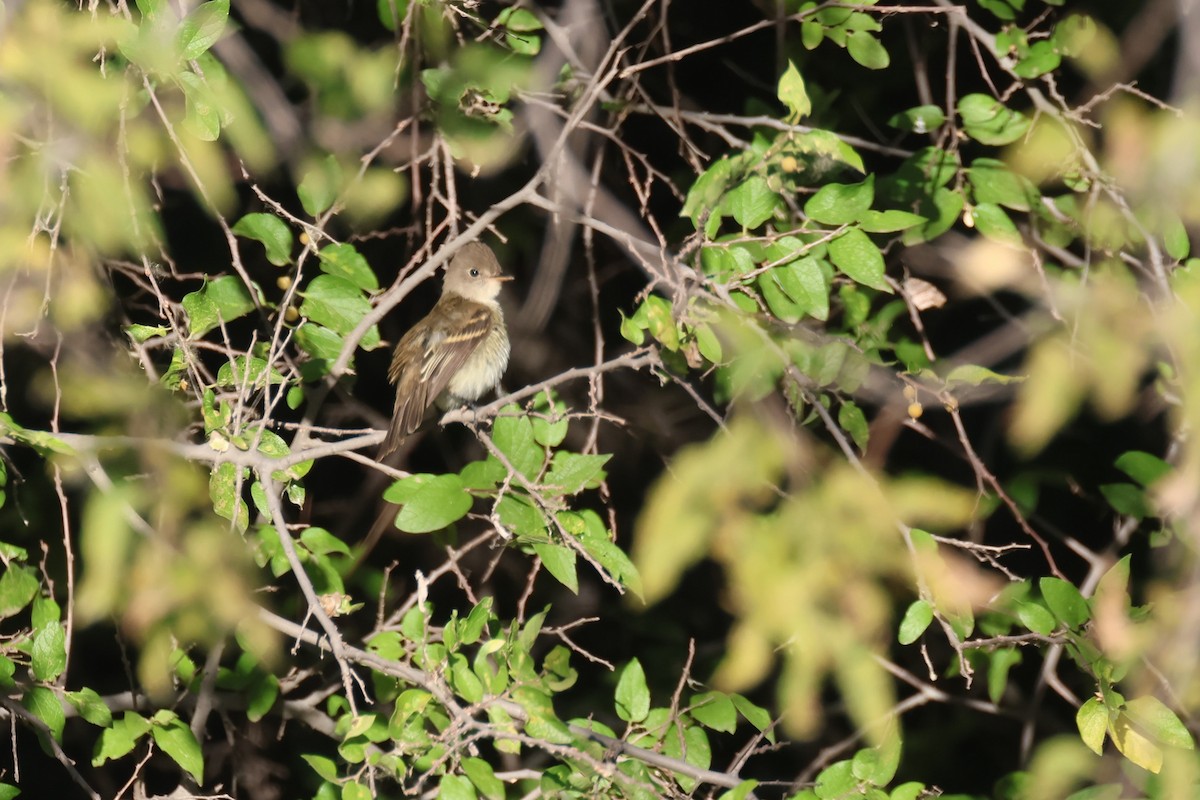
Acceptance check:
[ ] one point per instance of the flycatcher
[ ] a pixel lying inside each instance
(458, 352)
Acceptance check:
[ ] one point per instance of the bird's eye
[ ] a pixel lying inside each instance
(474, 273)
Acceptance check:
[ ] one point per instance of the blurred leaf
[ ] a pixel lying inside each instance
(921, 119)
(1127, 499)
(392, 12)
(1159, 722)
(974, 375)
(201, 28)
(852, 420)
(1143, 467)
(320, 184)
(999, 663)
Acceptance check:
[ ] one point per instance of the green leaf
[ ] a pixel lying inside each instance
(273, 232)
(922, 119)
(391, 12)
(792, 94)
(176, 740)
(916, 619)
(8, 791)
(709, 343)
(841, 203)
(857, 257)
(141, 334)
(867, 50)
(356, 791)
(522, 516)
(455, 787)
(322, 542)
(513, 435)
(200, 29)
(999, 663)
(1041, 58)
(974, 375)
(993, 182)
(120, 739)
(324, 767)
(344, 261)
(223, 490)
(632, 695)
(339, 305)
(707, 191)
(203, 116)
(751, 203)
(483, 475)
(1145, 468)
(1153, 717)
(852, 420)
(559, 561)
(988, 121)
(714, 710)
(804, 282)
(1036, 618)
(890, 221)
(223, 299)
(18, 585)
(485, 780)
(248, 371)
(44, 704)
(428, 502)
(318, 341)
(1127, 499)
(1065, 601)
(91, 707)
(992, 221)
(1175, 237)
(48, 657)
(756, 715)
(571, 473)
(319, 186)
(660, 321)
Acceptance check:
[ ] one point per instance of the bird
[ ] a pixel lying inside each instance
(458, 352)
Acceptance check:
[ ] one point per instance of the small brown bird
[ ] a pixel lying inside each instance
(458, 352)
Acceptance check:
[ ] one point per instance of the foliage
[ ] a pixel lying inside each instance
(802, 492)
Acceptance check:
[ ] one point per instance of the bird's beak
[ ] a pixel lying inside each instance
(503, 278)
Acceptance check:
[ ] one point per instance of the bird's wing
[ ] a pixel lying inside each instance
(429, 355)
(447, 350)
